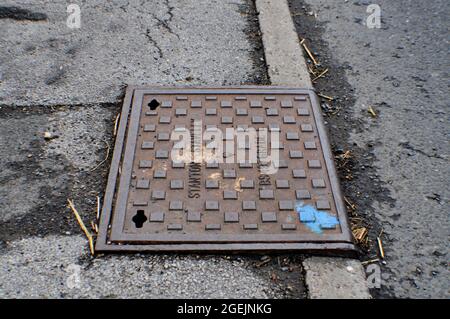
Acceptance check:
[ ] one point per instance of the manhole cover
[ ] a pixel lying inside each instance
(222, 169)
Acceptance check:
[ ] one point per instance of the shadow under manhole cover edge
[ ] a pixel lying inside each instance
(155, 203)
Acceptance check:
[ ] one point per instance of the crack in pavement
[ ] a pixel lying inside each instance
(154, 43)
(165, 24)
(160, 22)
(408, 146)
(123, 7)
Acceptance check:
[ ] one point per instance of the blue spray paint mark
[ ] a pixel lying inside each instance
(314, 219)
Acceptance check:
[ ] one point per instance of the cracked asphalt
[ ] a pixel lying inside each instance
(398, 176)
(44, 62)
(70, 82)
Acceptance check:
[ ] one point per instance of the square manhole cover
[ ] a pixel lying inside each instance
(222, 169)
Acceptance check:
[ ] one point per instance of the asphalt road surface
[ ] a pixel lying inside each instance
(399, 174)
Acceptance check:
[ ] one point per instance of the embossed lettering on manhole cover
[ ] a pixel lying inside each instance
(222, 169)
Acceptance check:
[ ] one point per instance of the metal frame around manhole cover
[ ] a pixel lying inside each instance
(124, 195)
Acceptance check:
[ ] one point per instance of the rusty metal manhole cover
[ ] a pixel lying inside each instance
(214, 193)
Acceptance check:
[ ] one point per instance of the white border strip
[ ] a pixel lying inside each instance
(284, 56)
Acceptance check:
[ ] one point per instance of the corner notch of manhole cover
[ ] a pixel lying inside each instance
(222, 169)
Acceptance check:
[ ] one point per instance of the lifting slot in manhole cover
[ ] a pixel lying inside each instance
(222, 169)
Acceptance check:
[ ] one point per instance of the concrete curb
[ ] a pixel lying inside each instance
(284, 56)
(326, 277)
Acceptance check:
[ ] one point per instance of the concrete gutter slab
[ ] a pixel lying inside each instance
(331, 278)
(284, 58)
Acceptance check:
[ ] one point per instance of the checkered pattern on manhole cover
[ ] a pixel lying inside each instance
(208, 198)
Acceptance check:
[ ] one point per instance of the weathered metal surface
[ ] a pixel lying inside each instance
(153, 203)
